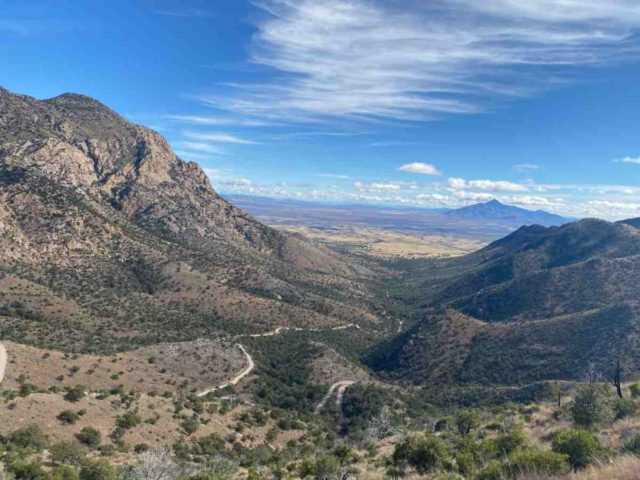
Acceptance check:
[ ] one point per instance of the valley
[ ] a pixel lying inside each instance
(141, 313)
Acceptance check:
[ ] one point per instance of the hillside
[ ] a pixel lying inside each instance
(496, 211)
(108, 235)
(540, 304)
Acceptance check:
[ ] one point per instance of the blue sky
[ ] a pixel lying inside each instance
(431, 103)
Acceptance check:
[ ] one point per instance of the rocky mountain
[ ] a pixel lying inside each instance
(107, 234)
(542, 303)
(499, 212)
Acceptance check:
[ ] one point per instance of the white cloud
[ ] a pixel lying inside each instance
(486, 185)
(337, 176)
(526, 167)
(198, 147)
(421, 168)
(377, 187)
(418, 60)
(218, 137)
(633, 160)
(216, 120)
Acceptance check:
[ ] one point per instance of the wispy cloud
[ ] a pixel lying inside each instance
(486, 185)
(336, 176)
(184, 13)
(526, 167)
(373, 59)
(420, 168)
(200, 147)
(216, 120)
(632, 160)
(218, 137)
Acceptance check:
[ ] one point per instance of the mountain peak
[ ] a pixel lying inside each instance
(494, 210)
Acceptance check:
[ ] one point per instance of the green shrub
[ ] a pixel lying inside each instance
(67, 452)
(128, 420)
(68, 417)
(89, 436)
(190, 425)
(534, 460)
(425, 453)
(29, 437)
(592, 406)
(75, 393)
(466, 421)
(64, 472)
(581, 447)
(633, 445)
(97, 470)
(28, 471)
(635, 390)
(492, 471)
(625, 407)
(510, 441)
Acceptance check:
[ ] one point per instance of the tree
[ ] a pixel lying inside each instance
(617, 378)
(581, 447)
(425, 453)
(97, 470)
(466, 421)
(592, 406)
(68, 453)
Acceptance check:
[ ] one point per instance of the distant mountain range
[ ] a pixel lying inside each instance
(496, 211)
(542, 303)
(485, 221)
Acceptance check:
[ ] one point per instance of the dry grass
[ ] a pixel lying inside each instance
(623, 468)
(385, 243)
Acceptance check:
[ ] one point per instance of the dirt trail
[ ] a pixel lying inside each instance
(3, 361)
(279, 330)
(235, 380)
(341, 388)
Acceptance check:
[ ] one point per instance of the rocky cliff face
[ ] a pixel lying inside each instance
(93, 205)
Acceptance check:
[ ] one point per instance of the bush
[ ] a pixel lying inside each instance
(425, 453)
(466, 421)
(492, 471)
(67, 452)
(75, 393)
(625, 407)
(635, 390)
(89, 436)
(128, 420)
(28, 471)
(68, 417)
(64, 472)
(190, 425)
(533, 460)
(633, 445)
(509, 441)
(592, 406)
(581, 447)
(29, 437)
(99, 470)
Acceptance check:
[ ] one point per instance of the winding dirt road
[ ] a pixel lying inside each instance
(341, 387)
(251, 364)
(235, 380)
(3, 361)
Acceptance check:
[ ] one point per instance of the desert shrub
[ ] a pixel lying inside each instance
(635, 390)
(580, 446)
(190, 425)
(64, 472)
(493, 470)
(30, 436)
(28, 471)
(625, 407)
(97, 470)
(507, 442)
(534, 460)
(67, 452)
(75, 393)
(632, 445)
(592, 406)
(466, 421)
(128, 420)
(90, 437)
(68, 417)
(425, 453)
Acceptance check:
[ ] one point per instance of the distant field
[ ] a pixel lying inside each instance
(386, 243)
(415, 222)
